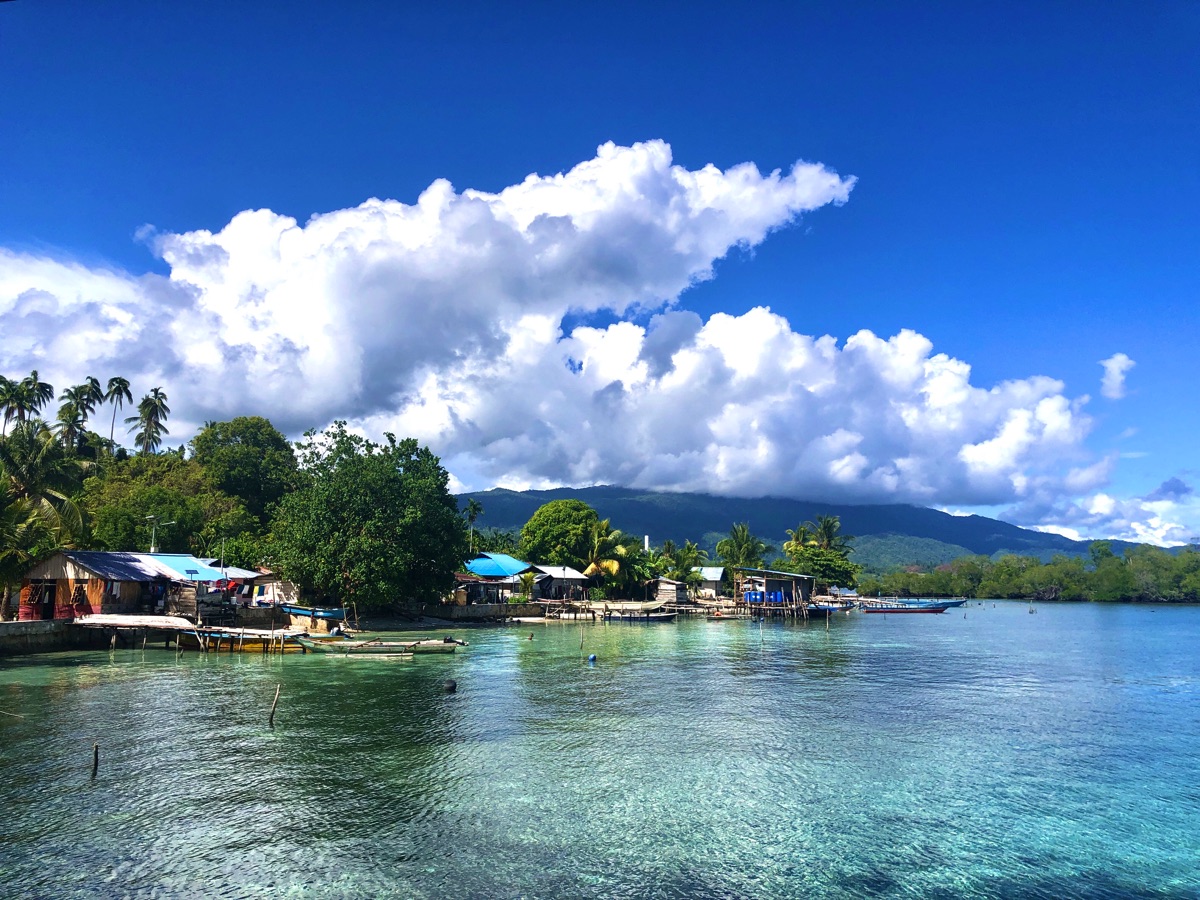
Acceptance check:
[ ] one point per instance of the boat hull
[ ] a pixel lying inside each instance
(646, 617)
(378, 647)
(905, 609)
(306, 612)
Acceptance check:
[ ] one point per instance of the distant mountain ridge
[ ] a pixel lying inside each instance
(889, 533)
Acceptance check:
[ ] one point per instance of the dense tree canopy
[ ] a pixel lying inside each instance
(249, 459)
(560, 533)
(371, 524)
(1143, 573)
(120, 501)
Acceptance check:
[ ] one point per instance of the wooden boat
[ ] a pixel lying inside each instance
(633, 615)
(312, 612)
(379, 646)
(722, 616)
(823, 606)
(930, 606)
(239, 640)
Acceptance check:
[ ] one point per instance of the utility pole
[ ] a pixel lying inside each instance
(154, 523)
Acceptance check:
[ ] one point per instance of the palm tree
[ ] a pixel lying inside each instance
(687, 559)
(605, 550)
(17, 399)
(94, 391)
(799, 538)
(825, 534)
(8, 397)
(72, 422)
(741, 549)
(39, 470)
(152, 413)
(80, 397)
(118, 395)
(40, 392)
(474, 511)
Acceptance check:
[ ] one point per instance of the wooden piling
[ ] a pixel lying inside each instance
(271, 718)
(95, 758)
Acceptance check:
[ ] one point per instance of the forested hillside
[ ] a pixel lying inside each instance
(887, 536)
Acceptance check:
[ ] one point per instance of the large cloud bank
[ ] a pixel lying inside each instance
(445, 319)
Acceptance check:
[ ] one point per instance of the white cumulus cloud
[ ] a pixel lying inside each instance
(1112, 383)
(446, 319)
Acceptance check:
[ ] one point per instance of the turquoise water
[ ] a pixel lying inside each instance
(983, 753)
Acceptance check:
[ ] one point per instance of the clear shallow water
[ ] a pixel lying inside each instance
(999, 754)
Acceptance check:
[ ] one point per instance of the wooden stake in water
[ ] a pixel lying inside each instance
(581, 637)
(271, 718)
(95, 758)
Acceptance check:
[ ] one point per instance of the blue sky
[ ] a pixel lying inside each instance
(1024, 199)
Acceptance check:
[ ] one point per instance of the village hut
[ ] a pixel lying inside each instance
(560, 583)
(494, 577)
(668, 591)
(712, 583)
(81, 582)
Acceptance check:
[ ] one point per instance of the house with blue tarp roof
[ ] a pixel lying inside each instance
(492, 578)
(497, 565)
(79, 582)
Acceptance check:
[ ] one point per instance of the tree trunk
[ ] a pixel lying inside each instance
(6, 603)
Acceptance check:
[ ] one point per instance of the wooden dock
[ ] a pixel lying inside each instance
(134, 631)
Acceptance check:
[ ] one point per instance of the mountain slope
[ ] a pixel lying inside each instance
(682, 517)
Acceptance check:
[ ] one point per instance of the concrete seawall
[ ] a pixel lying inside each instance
(39, 637)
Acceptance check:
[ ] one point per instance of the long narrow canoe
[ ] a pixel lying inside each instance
(311, 612)
(924, 608)
(381, 647)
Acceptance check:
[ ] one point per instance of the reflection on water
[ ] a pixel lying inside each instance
(989, 754)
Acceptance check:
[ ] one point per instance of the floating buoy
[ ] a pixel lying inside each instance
(592, 658)
(451, 686)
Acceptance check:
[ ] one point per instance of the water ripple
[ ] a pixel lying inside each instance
(981, 757)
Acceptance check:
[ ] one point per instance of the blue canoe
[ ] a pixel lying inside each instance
(310, 612)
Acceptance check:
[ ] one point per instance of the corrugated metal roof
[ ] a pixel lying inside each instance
(120, 566)
(497, 565)
(232, 571)
(710, 573)
(564, 572)
(187, 567)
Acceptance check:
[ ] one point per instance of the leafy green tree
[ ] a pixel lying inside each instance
(559, 533)
(248, 459)
(123, 494)
(742, 548)
(828, 567)
(372, 524)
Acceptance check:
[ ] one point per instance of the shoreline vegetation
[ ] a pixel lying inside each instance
(354, 521)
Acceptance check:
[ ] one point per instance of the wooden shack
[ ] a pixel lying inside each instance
(80, 582)
(669, 591)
